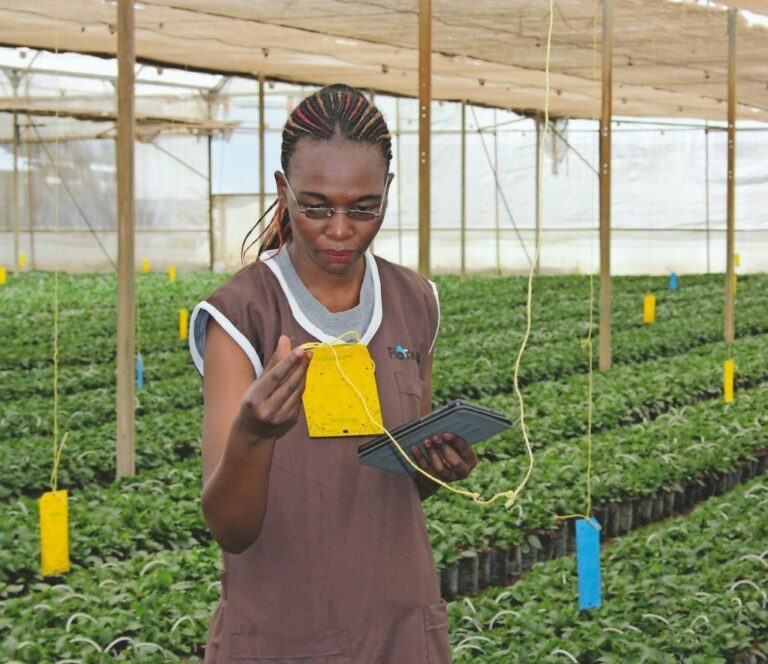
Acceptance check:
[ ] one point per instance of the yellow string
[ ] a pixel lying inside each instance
(341, 339)
(588, 342)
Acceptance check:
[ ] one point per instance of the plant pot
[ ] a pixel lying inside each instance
(613, 520)
(736, 475)
(679, 500)
(724, 483)
(528, 558)
(691, 494)
(483, 568)
(468, 565)
(560, 541)
(657, 506)
(449, 582)
(642, 507)
(570, 526)
(625, 516)
(762, 462)
(547, 547)
(497, 575)
(514, 562)
(669, 503)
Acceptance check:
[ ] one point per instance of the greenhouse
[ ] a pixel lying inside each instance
(569, 259)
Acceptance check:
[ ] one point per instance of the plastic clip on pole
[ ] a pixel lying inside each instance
(139, 372)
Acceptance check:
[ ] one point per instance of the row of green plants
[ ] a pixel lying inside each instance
(691, 589)
(478, 368)
(638, 461)
(627, 394)
(555, 409)
(692, 443)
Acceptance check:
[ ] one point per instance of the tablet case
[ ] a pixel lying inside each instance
(468, 421)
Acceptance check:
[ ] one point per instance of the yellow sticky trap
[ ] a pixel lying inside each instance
(331, 405)
(54, 533)
(649, 309)
(729, 368)
(145, 265)
(172, 274)
(3, 276)
(22, 259)
(737, 260)
(183, 324)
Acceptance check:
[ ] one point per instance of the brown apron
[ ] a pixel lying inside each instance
(342, 571)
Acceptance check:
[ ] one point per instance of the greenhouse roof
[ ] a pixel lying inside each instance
(670, 58)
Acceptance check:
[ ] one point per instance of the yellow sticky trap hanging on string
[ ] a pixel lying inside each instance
(737, 260)
(331, 404)
(145, 265)
(3, 276)
(649, 309)
(183, 324)
(729, 369)
(54, 533)
(22, 259)
(172, 274)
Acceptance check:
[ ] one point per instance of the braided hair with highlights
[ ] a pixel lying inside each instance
(335, 110)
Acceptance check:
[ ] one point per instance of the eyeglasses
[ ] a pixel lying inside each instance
(320, 212)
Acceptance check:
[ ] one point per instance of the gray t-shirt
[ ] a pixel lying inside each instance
(334, 324)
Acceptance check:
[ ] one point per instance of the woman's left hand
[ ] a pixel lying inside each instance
(449, 457)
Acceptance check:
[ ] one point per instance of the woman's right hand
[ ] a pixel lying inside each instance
(270, 406)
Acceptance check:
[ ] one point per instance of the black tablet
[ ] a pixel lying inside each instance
(468, 421)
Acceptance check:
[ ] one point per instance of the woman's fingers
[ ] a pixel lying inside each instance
(448, 457)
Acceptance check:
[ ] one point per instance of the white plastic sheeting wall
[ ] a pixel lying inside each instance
(667, 214)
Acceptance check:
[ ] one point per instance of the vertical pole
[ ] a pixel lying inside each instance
(211, 239)
(463, 189)
(731, 200)
(496, 191)
(425, 94)
(15, 196)
(706, 190)
(399, 186)
(126, 428)
(262, 173)
(537, 267)
(30, 207)
(604, 362)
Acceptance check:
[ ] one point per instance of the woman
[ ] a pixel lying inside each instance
(325, 559)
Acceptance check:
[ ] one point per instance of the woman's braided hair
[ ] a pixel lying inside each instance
(335, 110)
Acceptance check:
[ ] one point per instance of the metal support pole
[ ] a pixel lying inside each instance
(706, 189)
(496, 195)
(537, 267)
(463, 189)
(211, 238)
(126, 427)
(425, 94)
(399, 186)
(15, 196)
(731, 200)
(262, 172)
(30, 205)
(605, 190)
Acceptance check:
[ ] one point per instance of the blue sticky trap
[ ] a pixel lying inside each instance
(139, 372)
(673, 281)
(588, 562)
